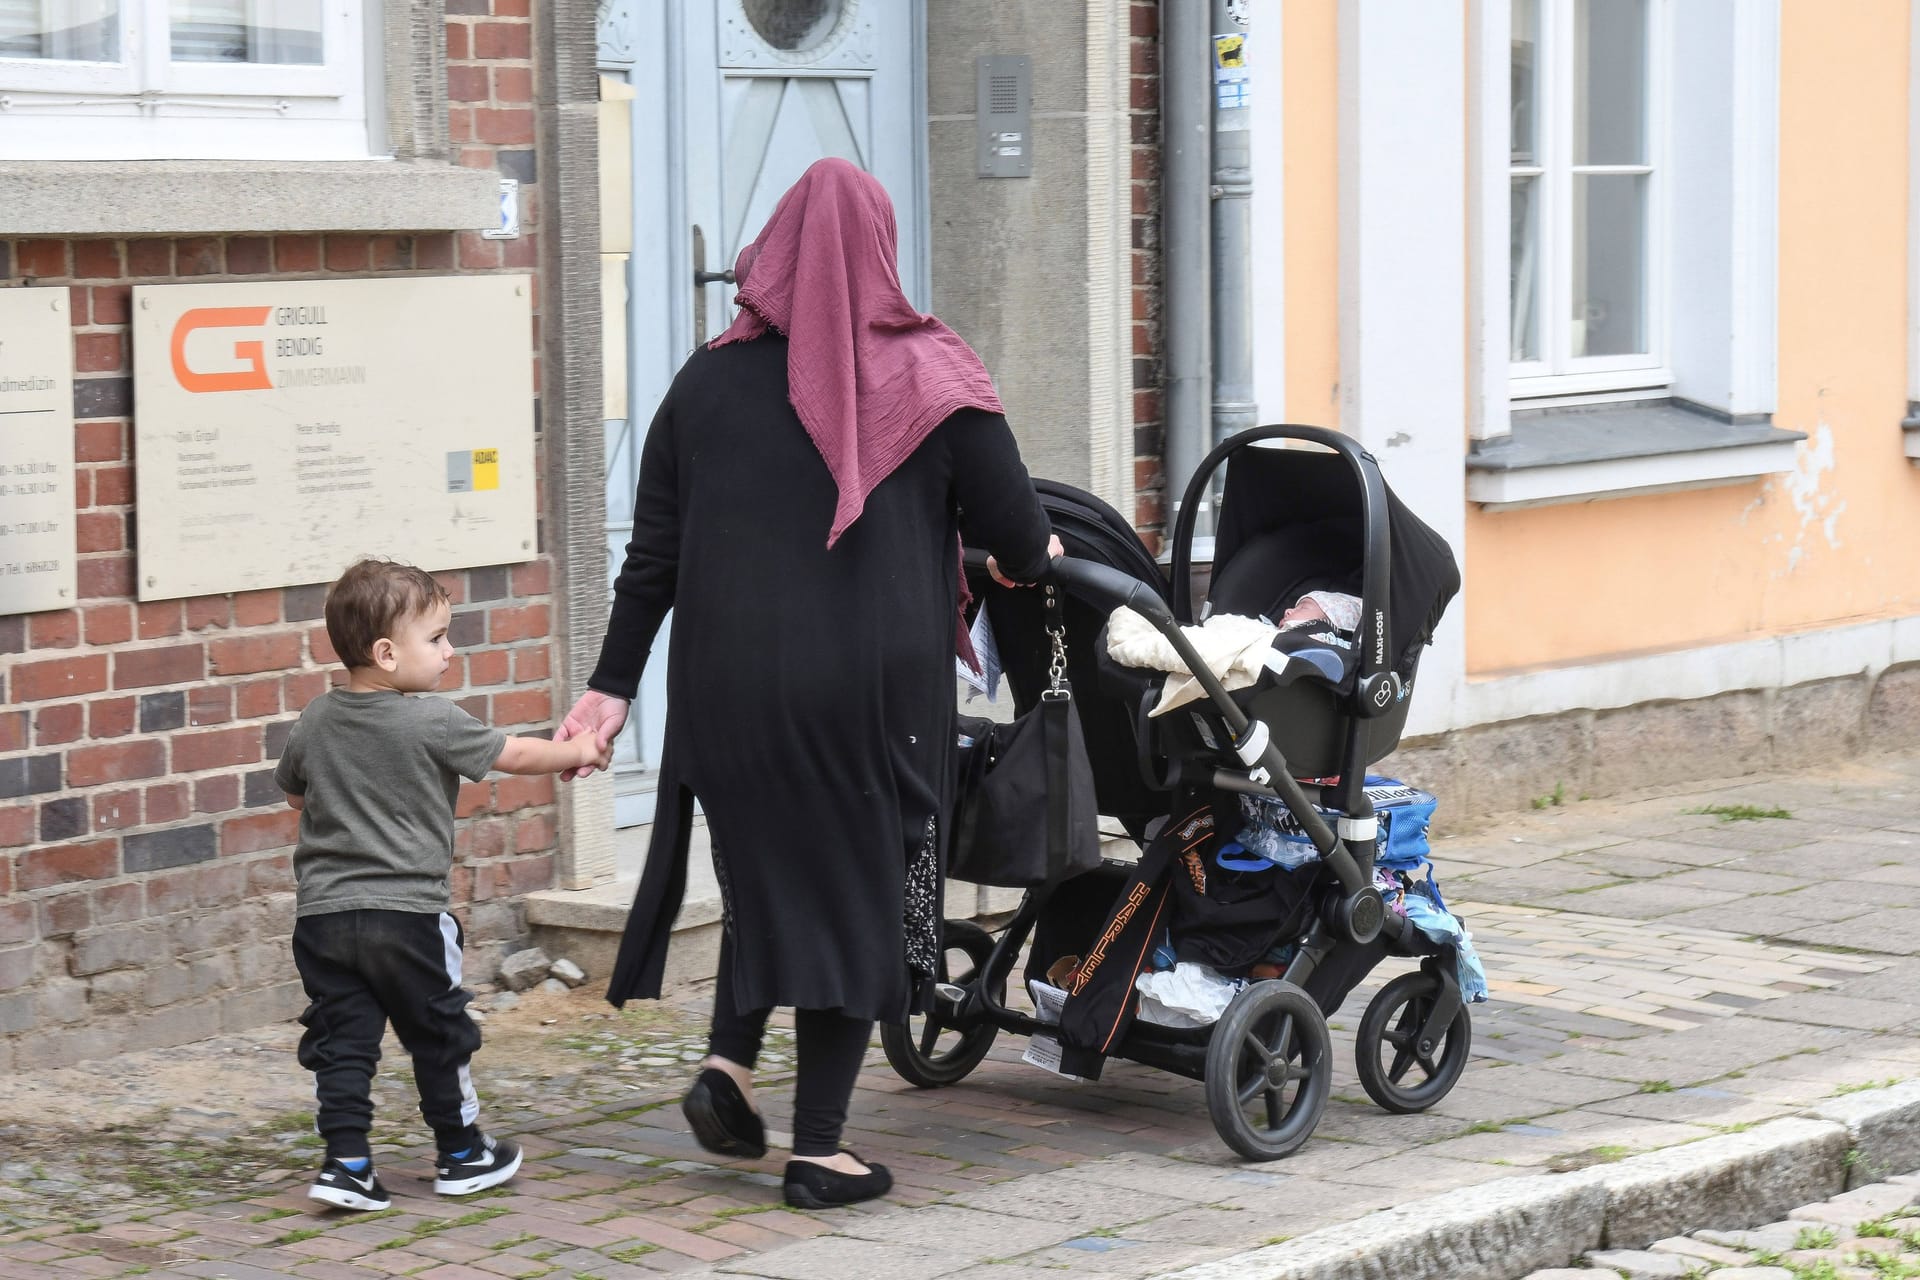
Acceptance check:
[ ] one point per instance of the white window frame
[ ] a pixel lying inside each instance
(149, 107)
(1557, 373)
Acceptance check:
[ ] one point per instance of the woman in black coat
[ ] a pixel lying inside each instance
(803, 489)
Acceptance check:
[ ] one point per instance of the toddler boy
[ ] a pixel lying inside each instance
(374, 772)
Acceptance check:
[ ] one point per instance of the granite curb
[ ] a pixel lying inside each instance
(1500, 1230)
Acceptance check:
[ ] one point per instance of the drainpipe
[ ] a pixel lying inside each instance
(1186, 121)
(1234, 409)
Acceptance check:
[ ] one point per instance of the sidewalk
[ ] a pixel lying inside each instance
(1660, 976)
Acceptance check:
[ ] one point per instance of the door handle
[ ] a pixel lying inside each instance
(704, 277)
(701, 279)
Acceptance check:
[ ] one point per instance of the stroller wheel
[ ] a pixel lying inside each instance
(1397, 1071)
(1269, 1067)
(933, 1049)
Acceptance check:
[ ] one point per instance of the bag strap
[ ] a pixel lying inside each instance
(1056, 704)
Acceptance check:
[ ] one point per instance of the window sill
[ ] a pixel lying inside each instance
(1589, 453)
(202, 197)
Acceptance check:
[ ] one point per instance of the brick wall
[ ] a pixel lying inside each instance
(145, 860)
(1149, 423)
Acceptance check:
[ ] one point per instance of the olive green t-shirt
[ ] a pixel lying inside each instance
(379, 773)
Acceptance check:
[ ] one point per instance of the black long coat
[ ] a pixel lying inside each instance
(810, 693)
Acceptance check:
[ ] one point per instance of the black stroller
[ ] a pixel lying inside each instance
(1291, 519)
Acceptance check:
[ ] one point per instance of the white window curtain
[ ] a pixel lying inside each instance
(273, 32)
(62, 30)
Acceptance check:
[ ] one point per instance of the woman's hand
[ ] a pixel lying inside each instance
(600, 716)
(1054, 551)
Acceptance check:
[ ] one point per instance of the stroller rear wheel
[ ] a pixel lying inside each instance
(1396, 1069)
(1269, 1068)
(934, 1048)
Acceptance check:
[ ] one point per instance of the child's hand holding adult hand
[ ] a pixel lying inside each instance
(596, 720)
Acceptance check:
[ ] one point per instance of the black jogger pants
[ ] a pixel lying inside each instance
(829, 1045)
(361, 970)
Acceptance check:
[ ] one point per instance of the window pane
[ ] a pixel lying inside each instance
(1610, 82)
(283, 32)
(1524, 209)
(1522, 106)
(1609, 264)
(70, 31)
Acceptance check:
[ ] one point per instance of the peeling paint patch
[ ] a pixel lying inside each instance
(1813, 463)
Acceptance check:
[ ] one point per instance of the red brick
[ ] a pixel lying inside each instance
(270, 875)
(523, 706)
(457, 41)
(490, 666)
(111, 717)
(531, 835)
(526, 622)
(157, 619)
(77, 308)
(17, 827)
(347, 253)
(112, 304)
(392, 253)
(104, 576)
(116, 810)
(510, 8)
(503, 126)
(477, 253)
(112, 487)
(62, 722)
(109, 623)
(170, 664)
(320, 646)
(40, 258)
(216, 794)
(532, 664)
(257, 698)
(55, 629)
(65, 864)
(60, 678)
(471, 800)
(199, 256)
(82, 488)
(529, 875)
(120, 762)
(169, 891)
(513, 84)
(296, 253)
(523, 792)
(209, 704)
(98, 352)
(454, 583)
(96, 259)
(493, 40)
(256, 608)
(222, 748)
(119, 903)
(13, 730)
(534, 578)
(524, 252)
(63, 914)
(149, 258)
(244, 655)
(100, 531)
(483, 839)
(298, 690)
(209, 611)
(467, 84)
(433, 253)
(274, 829)
(168, 802)
(454, 677)
(249, 255)
(99, 439)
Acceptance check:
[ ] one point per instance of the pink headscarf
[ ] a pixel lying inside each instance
(869, 376)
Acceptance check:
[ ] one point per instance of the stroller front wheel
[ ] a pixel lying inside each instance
(1269, 1069)
(1397, 1071)
(931, 1049)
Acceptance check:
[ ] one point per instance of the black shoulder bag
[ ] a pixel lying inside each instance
(1024, 810)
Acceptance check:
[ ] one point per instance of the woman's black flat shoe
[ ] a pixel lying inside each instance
(814, 1186)
(720, 1118)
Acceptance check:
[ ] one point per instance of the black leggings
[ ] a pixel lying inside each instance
(831, 1047)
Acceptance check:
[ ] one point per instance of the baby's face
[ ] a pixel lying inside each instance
(420, 649)
(1308, 610)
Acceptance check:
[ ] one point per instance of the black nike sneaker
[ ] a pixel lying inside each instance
(342, 1188)
(487, 1163)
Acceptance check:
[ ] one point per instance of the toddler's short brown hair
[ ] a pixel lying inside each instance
(367, 602)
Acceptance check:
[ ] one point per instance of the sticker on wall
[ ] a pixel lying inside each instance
(473, 470)
(1231, 85)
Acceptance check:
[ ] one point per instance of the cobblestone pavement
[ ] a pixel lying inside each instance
(1659, 974)
(1869, 1233)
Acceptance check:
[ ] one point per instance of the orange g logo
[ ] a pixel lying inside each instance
(254, 354)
